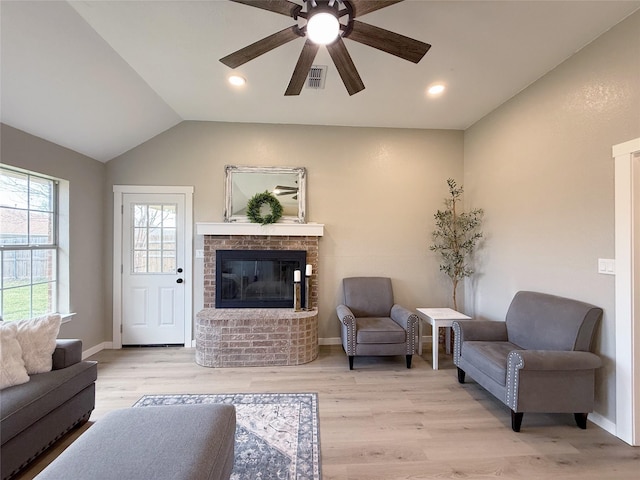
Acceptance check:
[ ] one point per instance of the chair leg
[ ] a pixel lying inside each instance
(351, 362)
(460, 375)
(581, 420)
(409, 361)
(516, 420)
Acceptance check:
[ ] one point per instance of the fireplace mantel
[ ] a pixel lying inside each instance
(273, 229)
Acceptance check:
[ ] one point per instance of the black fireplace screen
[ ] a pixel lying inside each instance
(257, 278)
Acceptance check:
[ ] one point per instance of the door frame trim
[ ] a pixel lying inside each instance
(118, 192)
(627, 338)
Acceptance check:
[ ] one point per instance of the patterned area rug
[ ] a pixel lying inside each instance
(277, 435)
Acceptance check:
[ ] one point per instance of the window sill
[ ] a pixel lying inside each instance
(66, 317)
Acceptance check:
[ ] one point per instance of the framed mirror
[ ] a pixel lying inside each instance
(288, 184)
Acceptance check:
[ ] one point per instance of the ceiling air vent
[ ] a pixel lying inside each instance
(317, 76)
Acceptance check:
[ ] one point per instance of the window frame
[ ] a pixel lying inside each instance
(53, 246)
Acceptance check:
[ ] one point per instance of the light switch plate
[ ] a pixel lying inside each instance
(607, 266)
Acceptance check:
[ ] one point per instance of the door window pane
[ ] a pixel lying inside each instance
(155, 215)
(169, 216)
(140, 215)
(140, 238)
(154, 238)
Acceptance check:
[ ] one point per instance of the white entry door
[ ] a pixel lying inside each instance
(153, 269)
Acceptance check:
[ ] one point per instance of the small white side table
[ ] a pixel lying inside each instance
(438, 317)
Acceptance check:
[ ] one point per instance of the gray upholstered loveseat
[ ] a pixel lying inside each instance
(538, 360)
(37, 413)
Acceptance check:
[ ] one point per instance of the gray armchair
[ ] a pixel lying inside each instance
(371, 324)
(538, 360)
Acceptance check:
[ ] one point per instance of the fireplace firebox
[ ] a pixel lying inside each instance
(257, 278)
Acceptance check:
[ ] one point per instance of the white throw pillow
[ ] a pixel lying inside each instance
(37, 338)
(12, 371)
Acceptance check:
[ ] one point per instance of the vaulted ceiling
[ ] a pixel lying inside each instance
(101, 77)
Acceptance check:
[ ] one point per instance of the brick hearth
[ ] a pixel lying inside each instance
(234, 337)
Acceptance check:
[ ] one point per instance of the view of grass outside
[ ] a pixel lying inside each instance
(16, 302)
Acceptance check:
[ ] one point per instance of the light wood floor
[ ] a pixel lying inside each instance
(381, 421)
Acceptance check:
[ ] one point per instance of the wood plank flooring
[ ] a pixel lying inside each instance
(381, 421)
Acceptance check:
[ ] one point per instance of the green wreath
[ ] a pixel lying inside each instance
(255, 204)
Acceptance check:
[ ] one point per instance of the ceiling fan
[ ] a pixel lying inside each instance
(339, 17)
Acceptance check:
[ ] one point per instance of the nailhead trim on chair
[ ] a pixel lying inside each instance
(350, 323)
(456, 343)
(514, 363)
(412, 321)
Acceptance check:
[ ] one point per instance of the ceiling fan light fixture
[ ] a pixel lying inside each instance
(323, 28)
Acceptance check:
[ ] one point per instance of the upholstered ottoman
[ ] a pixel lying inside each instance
(166, 442)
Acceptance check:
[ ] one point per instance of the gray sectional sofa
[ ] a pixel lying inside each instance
(37, 413)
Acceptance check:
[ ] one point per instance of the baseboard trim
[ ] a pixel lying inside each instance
(109, 345)
(603, 423)
(98, 348)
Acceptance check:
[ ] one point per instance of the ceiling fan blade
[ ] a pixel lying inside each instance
(283, 7)
(256, 49)
(284, 187)
(305, 60)
(387, 41)
(362, 7)
(345, 66)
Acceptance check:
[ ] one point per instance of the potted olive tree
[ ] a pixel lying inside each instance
(456, 236)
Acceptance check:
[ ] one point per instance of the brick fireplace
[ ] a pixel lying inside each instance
(228, 337)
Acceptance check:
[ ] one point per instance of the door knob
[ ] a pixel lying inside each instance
(179, 280)
(179, 270)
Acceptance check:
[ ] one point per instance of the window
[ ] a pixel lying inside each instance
(28, 244)
(154, 243)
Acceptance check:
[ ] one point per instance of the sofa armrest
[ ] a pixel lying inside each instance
(553, 360)
(409, 321)
(404, 317)
(568, 375)
(480, 330)
(345, 315)
(476, 330)
(67, 353)
(347, 328)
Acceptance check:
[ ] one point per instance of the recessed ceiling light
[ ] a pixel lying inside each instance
(436, 89)
(237, 80)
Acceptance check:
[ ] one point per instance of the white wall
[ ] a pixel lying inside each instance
(375, 189)
(541, 167)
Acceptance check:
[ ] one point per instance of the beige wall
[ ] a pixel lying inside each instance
(86, 214)
(541, 167)
(374, 189)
